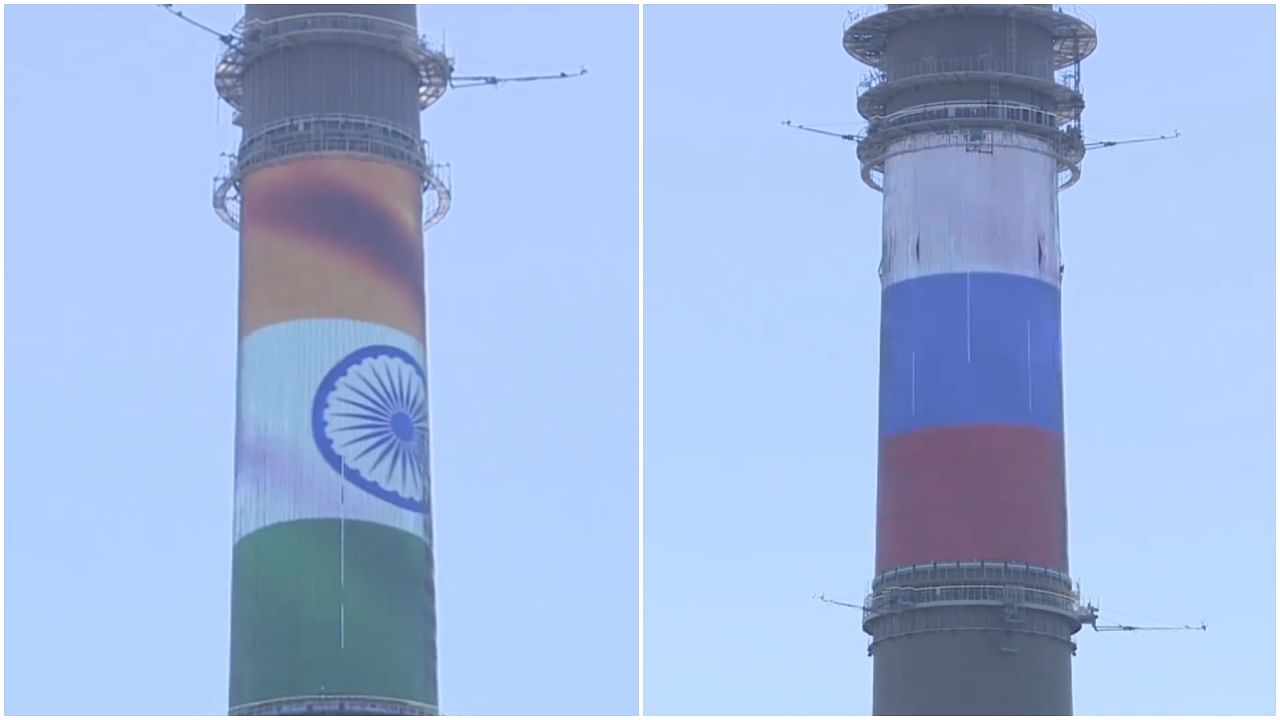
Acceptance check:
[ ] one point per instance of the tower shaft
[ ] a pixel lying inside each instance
(333, 598)
(972, 132)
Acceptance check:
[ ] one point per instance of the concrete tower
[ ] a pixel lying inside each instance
(333, 597)
(972, 132)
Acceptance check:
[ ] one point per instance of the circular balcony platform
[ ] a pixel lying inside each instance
(345, 135)
(1073, 38)
(970, 125)
(255, 37)
(976, 596)
(879, 86)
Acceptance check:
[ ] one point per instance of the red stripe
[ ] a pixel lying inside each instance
(976, 492)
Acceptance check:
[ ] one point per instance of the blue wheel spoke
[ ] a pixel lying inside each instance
(376, 404)
(371, 417)
(377, 434)
(386, 401)
(373, 410)
(417, 470)
(381, 426)
(381, 441)
(393, 379)
(389, 385)
(415, 401)
(385, 390)
(395, 460)
(360, 416)
(405, 388)
(391, 443)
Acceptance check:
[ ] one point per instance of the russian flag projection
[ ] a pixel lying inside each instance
(972, 492)
(970, 348)
(971, 447)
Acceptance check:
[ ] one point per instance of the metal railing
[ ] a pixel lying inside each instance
(306, 134)
(256, 30)
(891, 627)
(334, 705)
(999, 110)
(1041, 70)
(255, 37)
(853, 17)
(333, 134)
(865, 11)
(1078, 12)
(944, 596)
(975, 570)
(1065, 151)
(901, 598)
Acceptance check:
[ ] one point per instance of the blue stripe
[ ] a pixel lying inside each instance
(964, 338)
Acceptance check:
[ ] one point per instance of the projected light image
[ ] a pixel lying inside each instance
(370, 424)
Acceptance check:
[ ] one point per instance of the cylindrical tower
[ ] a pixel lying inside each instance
(972, 132)
(333, 597)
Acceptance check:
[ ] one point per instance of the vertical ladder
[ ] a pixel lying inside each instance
(1014, 597)
(996, 67)
(1012, 49)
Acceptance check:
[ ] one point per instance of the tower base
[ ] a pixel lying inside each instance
(972, 638)
(971, 672)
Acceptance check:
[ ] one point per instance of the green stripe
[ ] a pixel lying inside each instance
(291, 591)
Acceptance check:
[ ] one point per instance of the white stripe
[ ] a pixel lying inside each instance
(280, 473)
(972, 211)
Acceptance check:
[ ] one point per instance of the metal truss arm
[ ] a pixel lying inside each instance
(466, 81)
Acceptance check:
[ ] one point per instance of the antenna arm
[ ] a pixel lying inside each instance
(1140, 628)
(1112, 143)
(842, 136)
(227, 39)
(466, 81)
(829, 601)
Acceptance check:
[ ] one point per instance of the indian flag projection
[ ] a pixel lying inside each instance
(333, 589)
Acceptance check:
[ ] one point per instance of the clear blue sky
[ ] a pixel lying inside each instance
(120, 296)
(761, 337)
